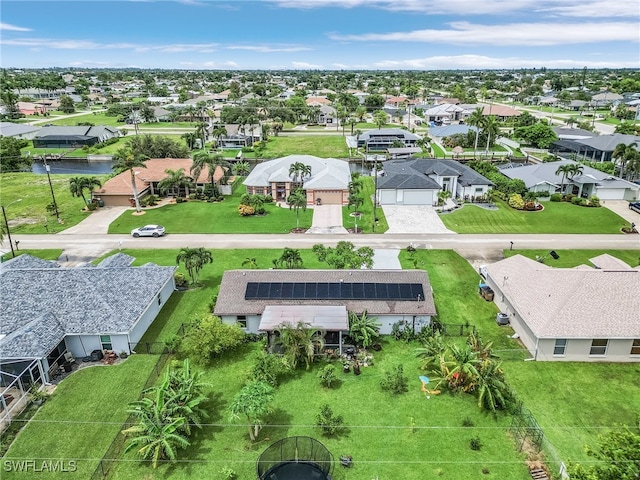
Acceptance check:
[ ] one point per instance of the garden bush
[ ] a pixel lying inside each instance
(594, 201)
(578, 201)
(327, 376)
(516, 201)
(328, 422)
(395, 381)
(246, 210)
(556, 197)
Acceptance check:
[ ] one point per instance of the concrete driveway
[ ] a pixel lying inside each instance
(327, 219)
(621, 207)
(413, 219)
(97, 222)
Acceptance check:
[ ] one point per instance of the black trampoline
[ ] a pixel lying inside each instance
(295, 458)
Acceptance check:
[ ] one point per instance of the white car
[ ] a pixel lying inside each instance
(148, 231)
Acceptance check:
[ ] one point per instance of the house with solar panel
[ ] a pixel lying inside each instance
(262, 300)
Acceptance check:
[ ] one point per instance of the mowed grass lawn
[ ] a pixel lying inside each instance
(573, 258)
(82, 417)
(324, 146)
(221, 217)
(30, 214)
(574, 403)
(365, 222)
(557, 217)
(379, 433)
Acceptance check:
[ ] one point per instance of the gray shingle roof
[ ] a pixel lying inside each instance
(109, 298)
(231, 299)
(277, 170)
(608, 143)
(415, 173)
(570, 302)
(26, 261)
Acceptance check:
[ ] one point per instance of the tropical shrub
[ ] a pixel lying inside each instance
(327, 376)
(269, 368)
(556, 197)
(207, 337)
(328, 422)
(395, 381)
(594, 201)
(363, 330)
(246, 210)
(516, 201)
(578, 201)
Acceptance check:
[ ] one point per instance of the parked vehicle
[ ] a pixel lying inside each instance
(148, 231)
(635, 206)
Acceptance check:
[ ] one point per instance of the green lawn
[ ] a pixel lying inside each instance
(379, 435)
(557, 217)
(323, 146)
(573, 258)
(365, 223)
(222, 217)
(30, 214)
(574, 403)
(48, 254)
(81, 418)
(97, 118)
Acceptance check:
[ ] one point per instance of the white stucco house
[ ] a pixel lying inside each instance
(581, 314)
(55, 310)
(418, 181)
(261, 300)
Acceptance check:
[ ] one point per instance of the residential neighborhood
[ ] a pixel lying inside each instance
(284, 239)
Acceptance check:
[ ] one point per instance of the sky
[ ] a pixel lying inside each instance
(320, 34)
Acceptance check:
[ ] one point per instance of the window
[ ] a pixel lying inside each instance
(105, 340)
(635, 347)
(159, 299)
(599, 347)
(242, 321)
(560, 346)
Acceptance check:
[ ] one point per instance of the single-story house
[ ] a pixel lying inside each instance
(18, 130)
(418, 181)
(501, 111)
(239, 136)
(597, 148)
(117, 190)
(444, 112)
(570, 314)
(449, 130)
(261, 300)
(591, 182)
(383, 138)
(326, 115)
(604, 99)
(328, 182)
(568, 133)
(73, 137)
(55, 310)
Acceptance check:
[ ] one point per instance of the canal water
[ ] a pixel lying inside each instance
(80, 167)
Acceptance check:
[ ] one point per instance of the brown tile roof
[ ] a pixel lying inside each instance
(570, 302)
(500, 111)
(318, 101)
(153, 172)
(231, 299)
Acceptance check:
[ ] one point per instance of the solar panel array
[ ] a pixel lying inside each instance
(333, 291)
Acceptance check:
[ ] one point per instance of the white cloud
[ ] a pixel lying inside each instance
(573, 8)
(305, 66)
(68, 44)
(267, 49)
(13, 28)
(464, 33)
(491, 63)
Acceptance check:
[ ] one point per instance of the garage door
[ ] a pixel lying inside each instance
(329, 197)
(418, 197)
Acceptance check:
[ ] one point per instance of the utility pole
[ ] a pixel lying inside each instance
(4, 214)
(53, 197)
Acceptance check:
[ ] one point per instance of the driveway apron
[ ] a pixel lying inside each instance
(327, 219)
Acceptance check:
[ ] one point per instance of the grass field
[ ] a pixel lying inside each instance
(48, 254)
(365, 222)
(222, 217)
(323, 146)
(573, 258)
(81, 418)
(557, 217)
(30, 214)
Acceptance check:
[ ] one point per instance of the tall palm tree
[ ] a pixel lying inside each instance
(77, 185)
(297, 200)
(475, 120)
(175, 179)
(241, 168)
(490, 127)
(563, 169)
(295, 171)
(201, 132)
(194, 259)
(212, 162)
(624, 154)
(126, 159)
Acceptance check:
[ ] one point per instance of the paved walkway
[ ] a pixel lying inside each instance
(413, 219)
(327, 219)
(386, 259)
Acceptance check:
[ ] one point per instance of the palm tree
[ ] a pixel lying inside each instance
(300, 343)
(194, 259)
(297, 200)
(185, 390)
(475, 120)
(190, 139)
(464, 374)
(250, 262)
(156, 436)
(77, 185)
(563, 169)
(241, 169)
(624, 154)
(295, 171)
(289, 259)
(175, 179)
(218, 132)
(490, 127)
(492, 389)
(212, 162)
(201, 132)
(126, 159)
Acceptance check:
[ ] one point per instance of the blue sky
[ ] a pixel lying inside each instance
(320, 34)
